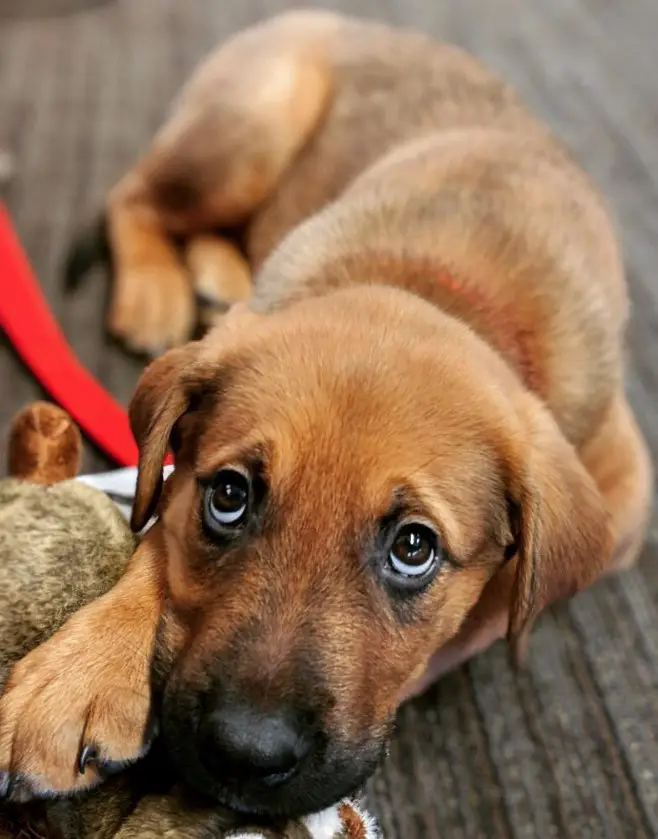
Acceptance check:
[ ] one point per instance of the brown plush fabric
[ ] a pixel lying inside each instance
(45, 445)
(569, 749)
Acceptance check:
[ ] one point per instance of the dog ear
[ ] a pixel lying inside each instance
(561, 527)
(161, 398)
(164, 393)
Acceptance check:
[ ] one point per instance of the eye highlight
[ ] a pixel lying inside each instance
(227, 501)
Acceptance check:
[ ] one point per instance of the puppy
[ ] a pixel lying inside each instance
(409, 441)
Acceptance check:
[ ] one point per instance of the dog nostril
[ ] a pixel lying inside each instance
(249, 744)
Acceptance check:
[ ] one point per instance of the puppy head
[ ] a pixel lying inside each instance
(350, 473)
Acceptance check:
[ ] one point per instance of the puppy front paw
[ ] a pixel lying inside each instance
(74, 710)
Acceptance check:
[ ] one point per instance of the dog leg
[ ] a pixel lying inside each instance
(618, 459)
(243, 116)
(152, 303)
(78, 707)
(220, 275)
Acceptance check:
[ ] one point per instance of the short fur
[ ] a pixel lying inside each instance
(437, 315)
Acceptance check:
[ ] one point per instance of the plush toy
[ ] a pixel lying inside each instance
(62, 544)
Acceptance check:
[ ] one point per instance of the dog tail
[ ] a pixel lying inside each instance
(89, 249)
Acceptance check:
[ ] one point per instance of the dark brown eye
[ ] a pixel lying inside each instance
(226, 502)
(414, 551)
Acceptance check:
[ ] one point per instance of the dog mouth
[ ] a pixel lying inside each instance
(306, 793)
(331, 771)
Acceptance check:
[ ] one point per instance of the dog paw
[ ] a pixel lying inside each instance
(220, 274)
(152, 309)
(74, 710)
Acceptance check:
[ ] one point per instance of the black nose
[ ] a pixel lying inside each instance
(249, 744)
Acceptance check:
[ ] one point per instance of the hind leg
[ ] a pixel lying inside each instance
(151, 305)
(246, 112)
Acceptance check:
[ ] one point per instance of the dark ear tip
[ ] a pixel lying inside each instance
(137, 522)
(140, 516)
(146, 502)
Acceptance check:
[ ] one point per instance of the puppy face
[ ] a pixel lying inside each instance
(350, 473)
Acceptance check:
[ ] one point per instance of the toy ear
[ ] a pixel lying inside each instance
(45, 445)
(559, 521)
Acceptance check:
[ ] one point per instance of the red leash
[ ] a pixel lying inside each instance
(32, 329)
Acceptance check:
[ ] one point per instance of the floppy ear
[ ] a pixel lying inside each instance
(163, 394)
(161, 398)
(562, 530)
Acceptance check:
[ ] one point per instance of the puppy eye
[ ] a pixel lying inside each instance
(415, 551)
(226, 500)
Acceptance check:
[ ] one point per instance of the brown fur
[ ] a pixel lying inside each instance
(44, 445)
(438, 306)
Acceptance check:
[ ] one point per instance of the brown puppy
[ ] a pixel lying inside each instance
(412, 441)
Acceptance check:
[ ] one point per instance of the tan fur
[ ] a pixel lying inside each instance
(438, 303)
(221, 274)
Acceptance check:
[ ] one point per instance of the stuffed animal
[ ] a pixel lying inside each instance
(62, 544)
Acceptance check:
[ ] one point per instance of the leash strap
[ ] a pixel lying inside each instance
(30, 326)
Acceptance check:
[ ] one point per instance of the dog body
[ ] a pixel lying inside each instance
(411, 440)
